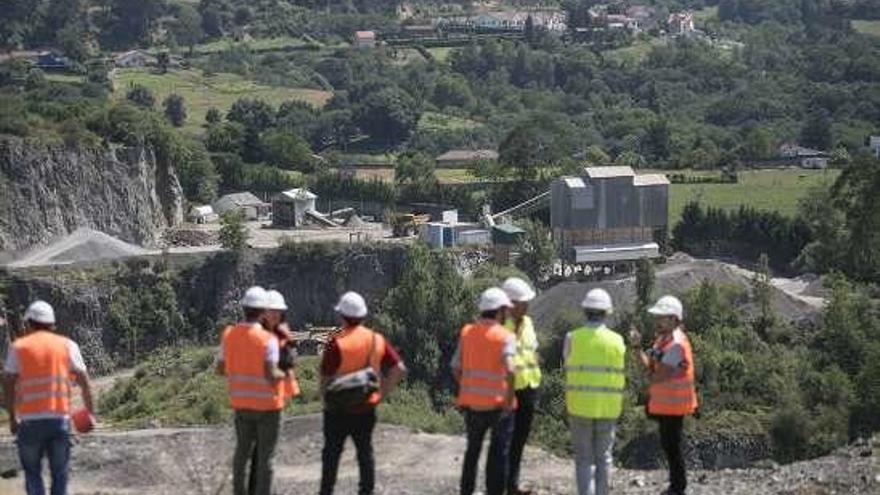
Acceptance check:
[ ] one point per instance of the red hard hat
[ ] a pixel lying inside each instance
(83, 421)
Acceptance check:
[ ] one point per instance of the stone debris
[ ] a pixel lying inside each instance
(83, 245)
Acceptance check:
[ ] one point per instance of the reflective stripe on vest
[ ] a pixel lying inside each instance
(594, 373)
(528, 372)
(354, 346)
(483, 374)
(43, 385)
(676, 396)
(244, 354)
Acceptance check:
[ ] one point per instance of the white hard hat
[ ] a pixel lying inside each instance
(352, 305)
(518, 290)
(494, 299)
(598, 300)
(255, 297)
(668, 306)
(275, 301)
(40, 312)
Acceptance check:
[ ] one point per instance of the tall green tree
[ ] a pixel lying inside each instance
(537, 251)
(816, 132)
(389, 115)
(141, 96)
(233, 232)
(762, 293)
(188, 27)
(175, 109)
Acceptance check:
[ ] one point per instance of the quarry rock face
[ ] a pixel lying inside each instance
(49, 191)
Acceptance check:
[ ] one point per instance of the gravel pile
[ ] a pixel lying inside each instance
(83, 245)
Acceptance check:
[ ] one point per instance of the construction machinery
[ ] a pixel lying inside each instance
(527, 207)
(407, 224)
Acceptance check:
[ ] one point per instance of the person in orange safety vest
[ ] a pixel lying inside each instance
(672, 393)
(248, 359)
(39, 368)
(360, 364)
(484, 366)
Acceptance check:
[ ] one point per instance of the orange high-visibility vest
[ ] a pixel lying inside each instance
(483, 373)
(354, 345)
(676, 396)
(244, 356)
(290, 384)
(43, 386)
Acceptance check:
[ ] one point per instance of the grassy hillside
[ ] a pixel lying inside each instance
(202, 91)
(771, 190)
(179, 387)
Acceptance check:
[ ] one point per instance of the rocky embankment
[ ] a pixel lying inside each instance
(206, 287)
(197, 461)
(48, 191)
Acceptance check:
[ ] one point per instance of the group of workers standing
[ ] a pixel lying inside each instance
(495, 364)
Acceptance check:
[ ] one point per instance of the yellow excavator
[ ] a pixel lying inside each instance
(407, 224)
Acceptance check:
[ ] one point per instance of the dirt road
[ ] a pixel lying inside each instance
(196, 461)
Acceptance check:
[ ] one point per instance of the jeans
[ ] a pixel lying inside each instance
(478, 423)
(337, 427)
(671, 439)
(522, 426)
(44, 437)
(256, 434)
(593, 441)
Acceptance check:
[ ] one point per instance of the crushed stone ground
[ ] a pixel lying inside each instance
(197, 461)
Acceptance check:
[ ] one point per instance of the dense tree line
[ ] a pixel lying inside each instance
(744, 233)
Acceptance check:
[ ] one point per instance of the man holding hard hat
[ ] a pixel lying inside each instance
(38, 371)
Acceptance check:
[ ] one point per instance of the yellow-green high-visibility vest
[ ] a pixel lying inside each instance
(594, 373)
(528, 373)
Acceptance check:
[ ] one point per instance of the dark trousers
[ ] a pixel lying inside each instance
(522, 426)
(478, 423)
(48, 438)
(256, 435)
(337, 427)
(671, 439)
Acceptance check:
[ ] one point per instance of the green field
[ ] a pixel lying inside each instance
(202, 92)
(441, 54)
(260, 44)
(706, 14)
(867, 27)
(771, 190)
(454, 175)
(64, 78)
(442, 121)
(634, 53)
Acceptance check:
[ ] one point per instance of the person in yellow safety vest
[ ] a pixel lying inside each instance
(527, 378)
(595, 378)
(39, 368)
(249, 359)
(672, 394)
(483, 366)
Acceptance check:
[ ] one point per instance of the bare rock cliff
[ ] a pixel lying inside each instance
(47, 191)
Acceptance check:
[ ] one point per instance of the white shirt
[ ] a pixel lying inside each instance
(76, 360)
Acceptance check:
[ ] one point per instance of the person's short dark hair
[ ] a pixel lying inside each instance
(352, 322)
(251, 314)
(490, 315)
(595, 315)
(39, 326)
